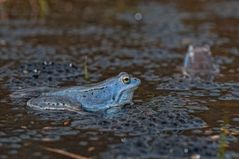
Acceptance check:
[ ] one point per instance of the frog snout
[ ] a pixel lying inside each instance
(136, 81)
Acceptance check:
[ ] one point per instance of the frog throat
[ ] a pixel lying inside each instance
(117, 99)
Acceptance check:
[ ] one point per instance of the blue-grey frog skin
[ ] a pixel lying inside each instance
(113, 92)
(198, 63)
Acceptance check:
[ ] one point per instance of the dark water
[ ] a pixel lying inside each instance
(45, 43)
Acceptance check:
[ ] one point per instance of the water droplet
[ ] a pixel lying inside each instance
(138, 16)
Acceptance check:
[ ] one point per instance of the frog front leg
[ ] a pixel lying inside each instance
(54, 103)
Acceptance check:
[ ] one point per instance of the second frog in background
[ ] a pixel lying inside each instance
(198, 63)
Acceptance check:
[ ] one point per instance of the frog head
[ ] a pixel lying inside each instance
(199, 51)
(198, 62)
(123, 89)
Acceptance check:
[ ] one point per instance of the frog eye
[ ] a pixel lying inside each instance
(126, 79)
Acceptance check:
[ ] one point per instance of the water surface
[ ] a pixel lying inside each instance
(45, 43)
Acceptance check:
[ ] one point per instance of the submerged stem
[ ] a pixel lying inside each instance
(86, 73)
(65, 153)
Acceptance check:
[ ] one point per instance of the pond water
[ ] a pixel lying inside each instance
(66, 43)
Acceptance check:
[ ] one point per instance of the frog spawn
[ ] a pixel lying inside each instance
(41, 74)
(165, 146)
(140, 119)
(200, 88)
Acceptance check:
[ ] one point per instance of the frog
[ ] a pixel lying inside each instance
(113, 92)
(199, 63)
